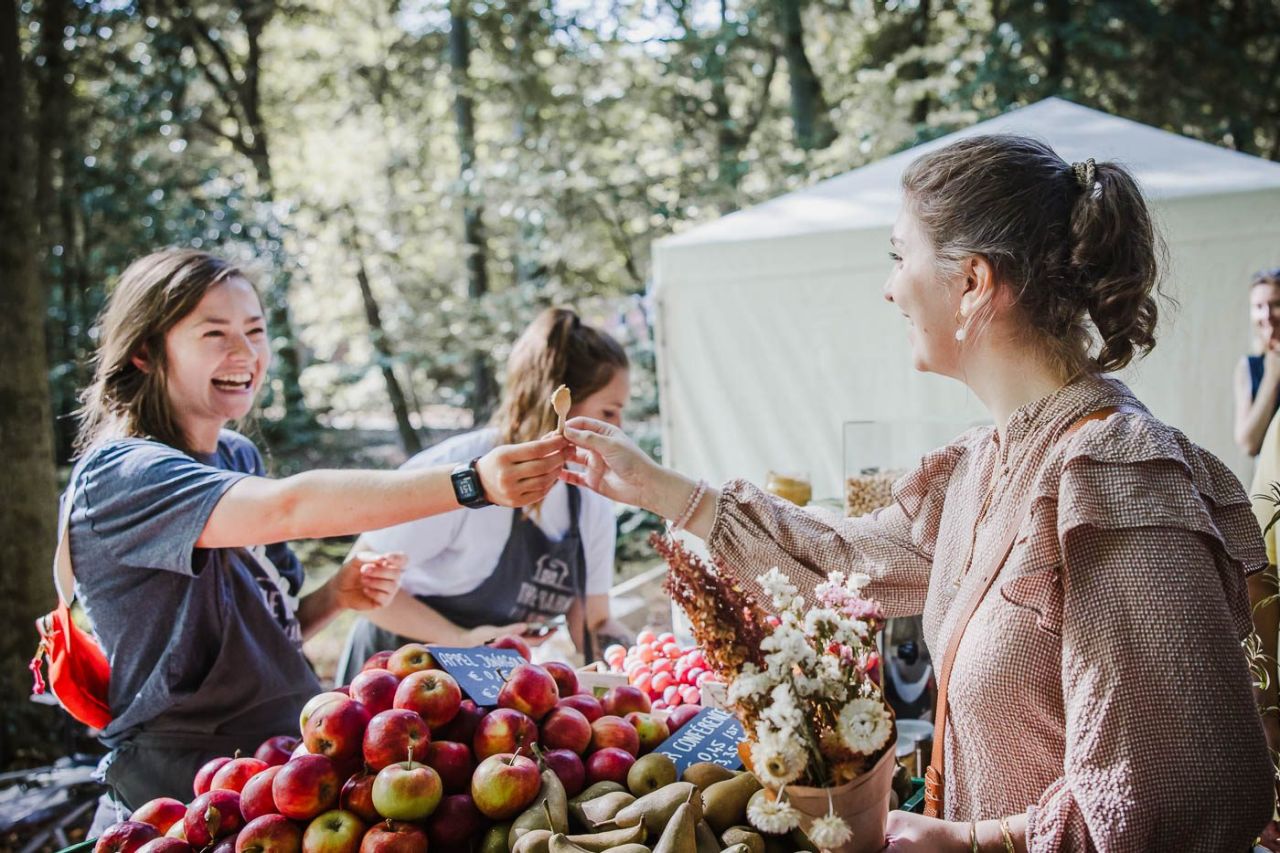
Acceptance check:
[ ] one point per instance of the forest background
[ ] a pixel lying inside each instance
(415, 179)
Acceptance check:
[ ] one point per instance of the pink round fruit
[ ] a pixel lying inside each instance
(614, 732)
(609, 765)
(162, 813)
(690, 694)
(645, 636)
(661, 681)
(204, 776)
(589, 705)
(233, 775)
(276, 750)
(126, 837)
(256, 799)
(211, 816)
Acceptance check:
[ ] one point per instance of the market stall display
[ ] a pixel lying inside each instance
(670, 674)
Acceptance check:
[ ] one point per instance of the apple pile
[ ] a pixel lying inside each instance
(669, 675)
(399, 761)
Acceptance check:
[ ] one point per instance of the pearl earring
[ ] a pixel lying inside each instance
(963, 331)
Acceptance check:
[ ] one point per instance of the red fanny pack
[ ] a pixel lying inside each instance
(79, 671)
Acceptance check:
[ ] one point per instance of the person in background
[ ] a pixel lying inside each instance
(484, 571)
(1257, 379)
(1100, 698)
(177, 533)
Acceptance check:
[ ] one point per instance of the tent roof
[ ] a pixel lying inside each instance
(1167, 166)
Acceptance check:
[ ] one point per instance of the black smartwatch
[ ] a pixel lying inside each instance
(466, 485)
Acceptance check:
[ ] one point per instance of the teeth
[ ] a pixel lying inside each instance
(235, 378)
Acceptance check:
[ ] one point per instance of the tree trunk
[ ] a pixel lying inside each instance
(409, 440)
(810, 116)
(1055, 71)
(473, 237)
(27, 514)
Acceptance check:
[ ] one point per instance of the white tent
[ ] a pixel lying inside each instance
(772, 332)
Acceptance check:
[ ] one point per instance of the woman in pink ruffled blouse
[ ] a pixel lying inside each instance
(1100, 698)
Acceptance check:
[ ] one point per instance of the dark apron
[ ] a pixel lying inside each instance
(535, 580)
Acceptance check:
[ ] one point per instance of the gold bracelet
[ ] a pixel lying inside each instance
(1008, 837)
(973, 836)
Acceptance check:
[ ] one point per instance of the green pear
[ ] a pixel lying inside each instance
(707, 841)
(601, 810)
(681, 834)
(533, 841)
(599, 789)
(560, 843)
(704, 774)
(724, 804)
(549, 810)
(601, 841)
(495, 839)
(655, 810)
(628, 848)
(737, 848)
(650, 772)
(743, 835)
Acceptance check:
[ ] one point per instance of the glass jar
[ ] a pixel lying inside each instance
(791, 486)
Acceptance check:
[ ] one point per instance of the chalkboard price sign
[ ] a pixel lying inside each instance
(712, 736)
(480, 672)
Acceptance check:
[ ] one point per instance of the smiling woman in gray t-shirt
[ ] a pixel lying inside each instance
(175, 533)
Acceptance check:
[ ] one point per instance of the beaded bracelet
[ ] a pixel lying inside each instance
(694, 499)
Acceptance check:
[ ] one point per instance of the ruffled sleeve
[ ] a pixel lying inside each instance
(754, 531)
(1164, 748)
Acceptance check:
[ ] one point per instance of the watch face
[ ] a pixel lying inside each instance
(467, 488)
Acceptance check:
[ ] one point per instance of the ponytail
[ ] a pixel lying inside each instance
(1114, 250)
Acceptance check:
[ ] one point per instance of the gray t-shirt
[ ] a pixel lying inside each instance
(201, 641)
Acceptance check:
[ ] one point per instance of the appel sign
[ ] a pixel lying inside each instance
(480, 672)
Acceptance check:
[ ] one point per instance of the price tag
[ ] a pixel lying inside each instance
(712, 736)
(480, 672)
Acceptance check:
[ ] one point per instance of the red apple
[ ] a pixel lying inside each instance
(394, 836)
(126, 837)
(614, 731)
(530, 689)
(680, 715)
(504, 730)
(589, 705)
(212, 816)
(224, 845)
(164, 844)
(651, 730)
(232, 775)
(391, 735)
(566, 728)
(410, 658)
(305, 787)
(314, 703)
(256, 799)
(336, 730)
(433, 693)
(623, 699)
(334, 831)
(569, 767)
(455, 823)
(377, 660)
(276, 750)
(357, 798)
(513, 641)
(407, 791)
(453, 762)
(609, 765)
(462, 728)
(204, 776)
(504, 785)
(375, 689)
(566, 678)
(162, 813)
(272, 833)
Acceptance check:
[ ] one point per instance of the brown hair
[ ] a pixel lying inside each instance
(1075, 242)
(557, 349)
(151, 297)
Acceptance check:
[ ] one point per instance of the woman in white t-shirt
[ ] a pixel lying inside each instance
(477, 573)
